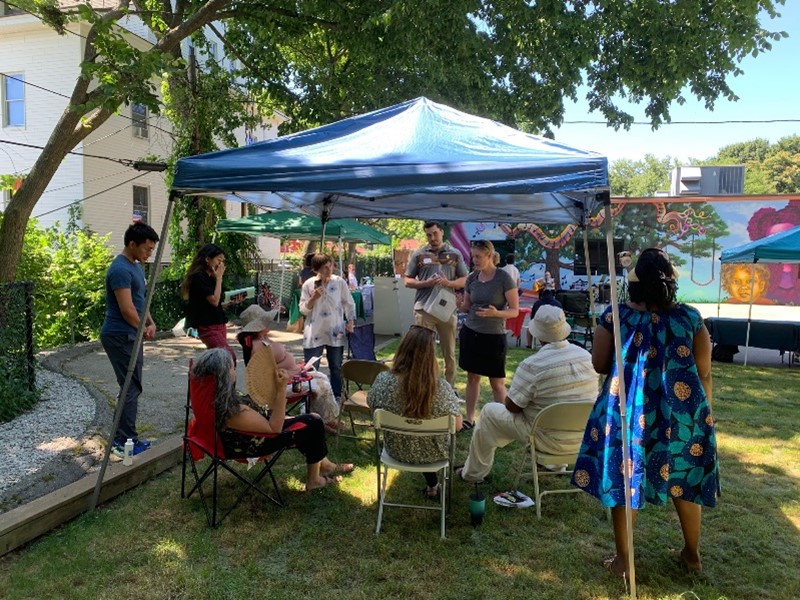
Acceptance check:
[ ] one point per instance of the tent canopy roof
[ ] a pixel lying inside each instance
(296, 226)
(417, 159)
(781, 247)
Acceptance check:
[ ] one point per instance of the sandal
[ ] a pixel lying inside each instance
(467, 425)
(432, 493)
(329, 480)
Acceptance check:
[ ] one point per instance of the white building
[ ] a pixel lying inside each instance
(38, 69)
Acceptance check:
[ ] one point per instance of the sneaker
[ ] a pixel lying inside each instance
(140, 446)
(118, 451)
(513, 498)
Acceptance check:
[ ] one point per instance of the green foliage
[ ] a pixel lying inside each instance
(638, 178)
(324, 61)
(167, 307)
(70, 307)
(770, 168)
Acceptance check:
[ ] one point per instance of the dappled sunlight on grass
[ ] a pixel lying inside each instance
(169, 549)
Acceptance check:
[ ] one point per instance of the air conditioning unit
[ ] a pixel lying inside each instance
(140, 131)
(712, 180)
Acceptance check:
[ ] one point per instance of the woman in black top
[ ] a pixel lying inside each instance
(202, 287)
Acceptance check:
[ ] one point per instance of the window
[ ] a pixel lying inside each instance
(141, 203)
(139, 118)
(14, 100)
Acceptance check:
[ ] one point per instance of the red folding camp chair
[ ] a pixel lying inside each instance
(201, 440)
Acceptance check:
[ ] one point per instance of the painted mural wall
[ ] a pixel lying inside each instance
(694, 234)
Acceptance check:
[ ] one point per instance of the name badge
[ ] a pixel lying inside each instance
(427, 261)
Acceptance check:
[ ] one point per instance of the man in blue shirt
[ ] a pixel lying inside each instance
(125, 296)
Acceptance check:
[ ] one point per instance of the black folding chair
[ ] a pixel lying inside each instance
(361, 343)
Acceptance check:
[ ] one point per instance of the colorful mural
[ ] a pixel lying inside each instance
(694, 234)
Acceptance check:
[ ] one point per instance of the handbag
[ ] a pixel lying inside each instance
(441, 304)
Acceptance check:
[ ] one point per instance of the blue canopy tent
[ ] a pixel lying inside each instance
(416, 160)
(781, 247)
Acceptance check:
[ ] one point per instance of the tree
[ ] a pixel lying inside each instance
(638, 178)
(769, 168)
(318, 61)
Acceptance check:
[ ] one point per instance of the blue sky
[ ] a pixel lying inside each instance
(768, 89)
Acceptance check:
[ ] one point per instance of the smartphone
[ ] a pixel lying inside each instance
(318, 283)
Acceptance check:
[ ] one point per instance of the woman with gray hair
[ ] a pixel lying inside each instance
(236, 414)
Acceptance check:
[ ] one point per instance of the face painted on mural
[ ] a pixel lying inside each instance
(745, 283)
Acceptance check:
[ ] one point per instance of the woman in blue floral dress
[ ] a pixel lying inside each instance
(666, 351)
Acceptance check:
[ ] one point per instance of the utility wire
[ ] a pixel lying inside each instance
(726, 122)
(89, 197)
(123, 161)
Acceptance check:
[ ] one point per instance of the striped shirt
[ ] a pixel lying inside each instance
(559, 372)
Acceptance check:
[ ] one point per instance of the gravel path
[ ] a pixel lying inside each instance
(55, 425)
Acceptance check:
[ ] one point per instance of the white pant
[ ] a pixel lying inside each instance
(497, 427)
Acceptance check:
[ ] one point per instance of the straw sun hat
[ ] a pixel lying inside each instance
(254, 318)
(549, 324)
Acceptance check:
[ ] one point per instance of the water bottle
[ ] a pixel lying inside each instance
(127, 457)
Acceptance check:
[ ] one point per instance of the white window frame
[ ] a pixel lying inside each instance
(145, 214)
(6, 111)
(139, 121)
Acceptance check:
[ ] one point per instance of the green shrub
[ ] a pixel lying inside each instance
(167, 307)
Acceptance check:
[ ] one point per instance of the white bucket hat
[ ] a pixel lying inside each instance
(254, 318)
(549, 324)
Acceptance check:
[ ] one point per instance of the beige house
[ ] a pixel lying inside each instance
(38, 69)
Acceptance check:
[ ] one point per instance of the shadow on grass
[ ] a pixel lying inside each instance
(150, 543)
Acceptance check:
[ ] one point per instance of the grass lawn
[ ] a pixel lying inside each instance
(150, 543)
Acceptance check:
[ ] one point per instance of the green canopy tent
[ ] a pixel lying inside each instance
(288, 225)
(296, 226)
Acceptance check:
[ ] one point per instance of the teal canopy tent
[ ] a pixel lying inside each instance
(781, 247)
(289, 225)
(297, 226)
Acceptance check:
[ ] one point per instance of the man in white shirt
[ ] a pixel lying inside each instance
(512, 270)
(559, 372)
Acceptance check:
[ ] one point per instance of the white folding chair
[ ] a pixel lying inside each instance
(385, 421)
(562, 417)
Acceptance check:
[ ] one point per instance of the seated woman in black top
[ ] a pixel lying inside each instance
(236, 414)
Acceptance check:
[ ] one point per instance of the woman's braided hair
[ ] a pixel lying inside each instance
(657, 283)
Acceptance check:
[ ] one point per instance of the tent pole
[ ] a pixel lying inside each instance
(719, 289)
(283, 272)
(137, 344)
(341, 250)
(588, 273)
(750, 310)
(623, 419)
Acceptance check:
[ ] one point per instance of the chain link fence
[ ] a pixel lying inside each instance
(17, 365)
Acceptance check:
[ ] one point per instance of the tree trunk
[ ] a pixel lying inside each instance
(19, 209)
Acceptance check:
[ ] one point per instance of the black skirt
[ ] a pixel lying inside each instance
(482, 353)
